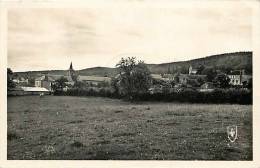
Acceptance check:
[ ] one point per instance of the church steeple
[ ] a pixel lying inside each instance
(71, 67)
(72, 76)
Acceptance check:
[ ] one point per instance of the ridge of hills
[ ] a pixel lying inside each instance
(223, 62)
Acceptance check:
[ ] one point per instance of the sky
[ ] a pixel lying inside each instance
(50, 38)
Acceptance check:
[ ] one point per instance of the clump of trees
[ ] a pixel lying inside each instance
(10, 83)
(222, 81)
(59, 84)
(210, 73)
(134, 78)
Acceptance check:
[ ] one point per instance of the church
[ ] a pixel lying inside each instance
(46, 80)
(72, 76)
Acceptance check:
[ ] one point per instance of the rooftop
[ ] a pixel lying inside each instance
(34, 89)
(49, 78)
(93, 78)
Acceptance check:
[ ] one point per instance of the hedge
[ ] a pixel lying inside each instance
(219, 96)
(88, 92)
(230, 96)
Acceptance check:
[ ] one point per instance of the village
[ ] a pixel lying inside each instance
(172, 82)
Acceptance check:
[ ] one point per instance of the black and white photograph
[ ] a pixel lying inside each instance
(130, 82)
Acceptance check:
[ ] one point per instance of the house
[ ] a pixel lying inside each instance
(47, 80)
(192, 71)
(238, 77)
(164, 77)
(235, 77)
(207, 87)
(94, 80)
(192, 79)
(189, 79)
(21, 91)
(35, 90)
(21, 81)
(44, 81)
(168, 77)
(72, 77)
(157, 76)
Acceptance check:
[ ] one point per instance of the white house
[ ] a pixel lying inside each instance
(192, 71)
(237, 77)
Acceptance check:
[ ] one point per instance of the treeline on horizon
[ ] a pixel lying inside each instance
(224, 62)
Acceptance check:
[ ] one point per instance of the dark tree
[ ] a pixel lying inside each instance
(10, 83)
(183, 70)
(134, 78)
(200, 81)
(31, 81)
(211, 74)
(200, 69)
(250, 84)
(115, 85)
(59, 83)
(222, 81)
(169, 70)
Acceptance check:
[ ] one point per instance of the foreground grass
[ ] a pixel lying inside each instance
(100, 128)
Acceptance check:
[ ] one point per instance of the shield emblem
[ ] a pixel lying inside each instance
(232, 133)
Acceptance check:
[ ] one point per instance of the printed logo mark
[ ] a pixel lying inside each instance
(232, 133)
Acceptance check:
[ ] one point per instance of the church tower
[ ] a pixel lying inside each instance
(72, 76)
(190, 70)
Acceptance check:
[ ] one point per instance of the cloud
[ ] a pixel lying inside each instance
(51, 38)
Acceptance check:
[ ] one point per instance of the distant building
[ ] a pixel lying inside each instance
(35, 90)
(192, 79)
(44, 81)
(192, 71)
(21, 91)
(238, 77)
(187, 78)
(154, 76)
(164, 77)
(169, 77)
(21, 81)
(95, 80)
(72, 75)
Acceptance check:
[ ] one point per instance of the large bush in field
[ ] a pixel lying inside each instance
(134, 77)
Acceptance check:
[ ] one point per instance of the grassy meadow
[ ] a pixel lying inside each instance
(63, 127)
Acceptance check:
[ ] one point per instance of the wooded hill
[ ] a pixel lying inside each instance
(224, 62)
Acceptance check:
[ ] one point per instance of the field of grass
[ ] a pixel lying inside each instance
(57, 127)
